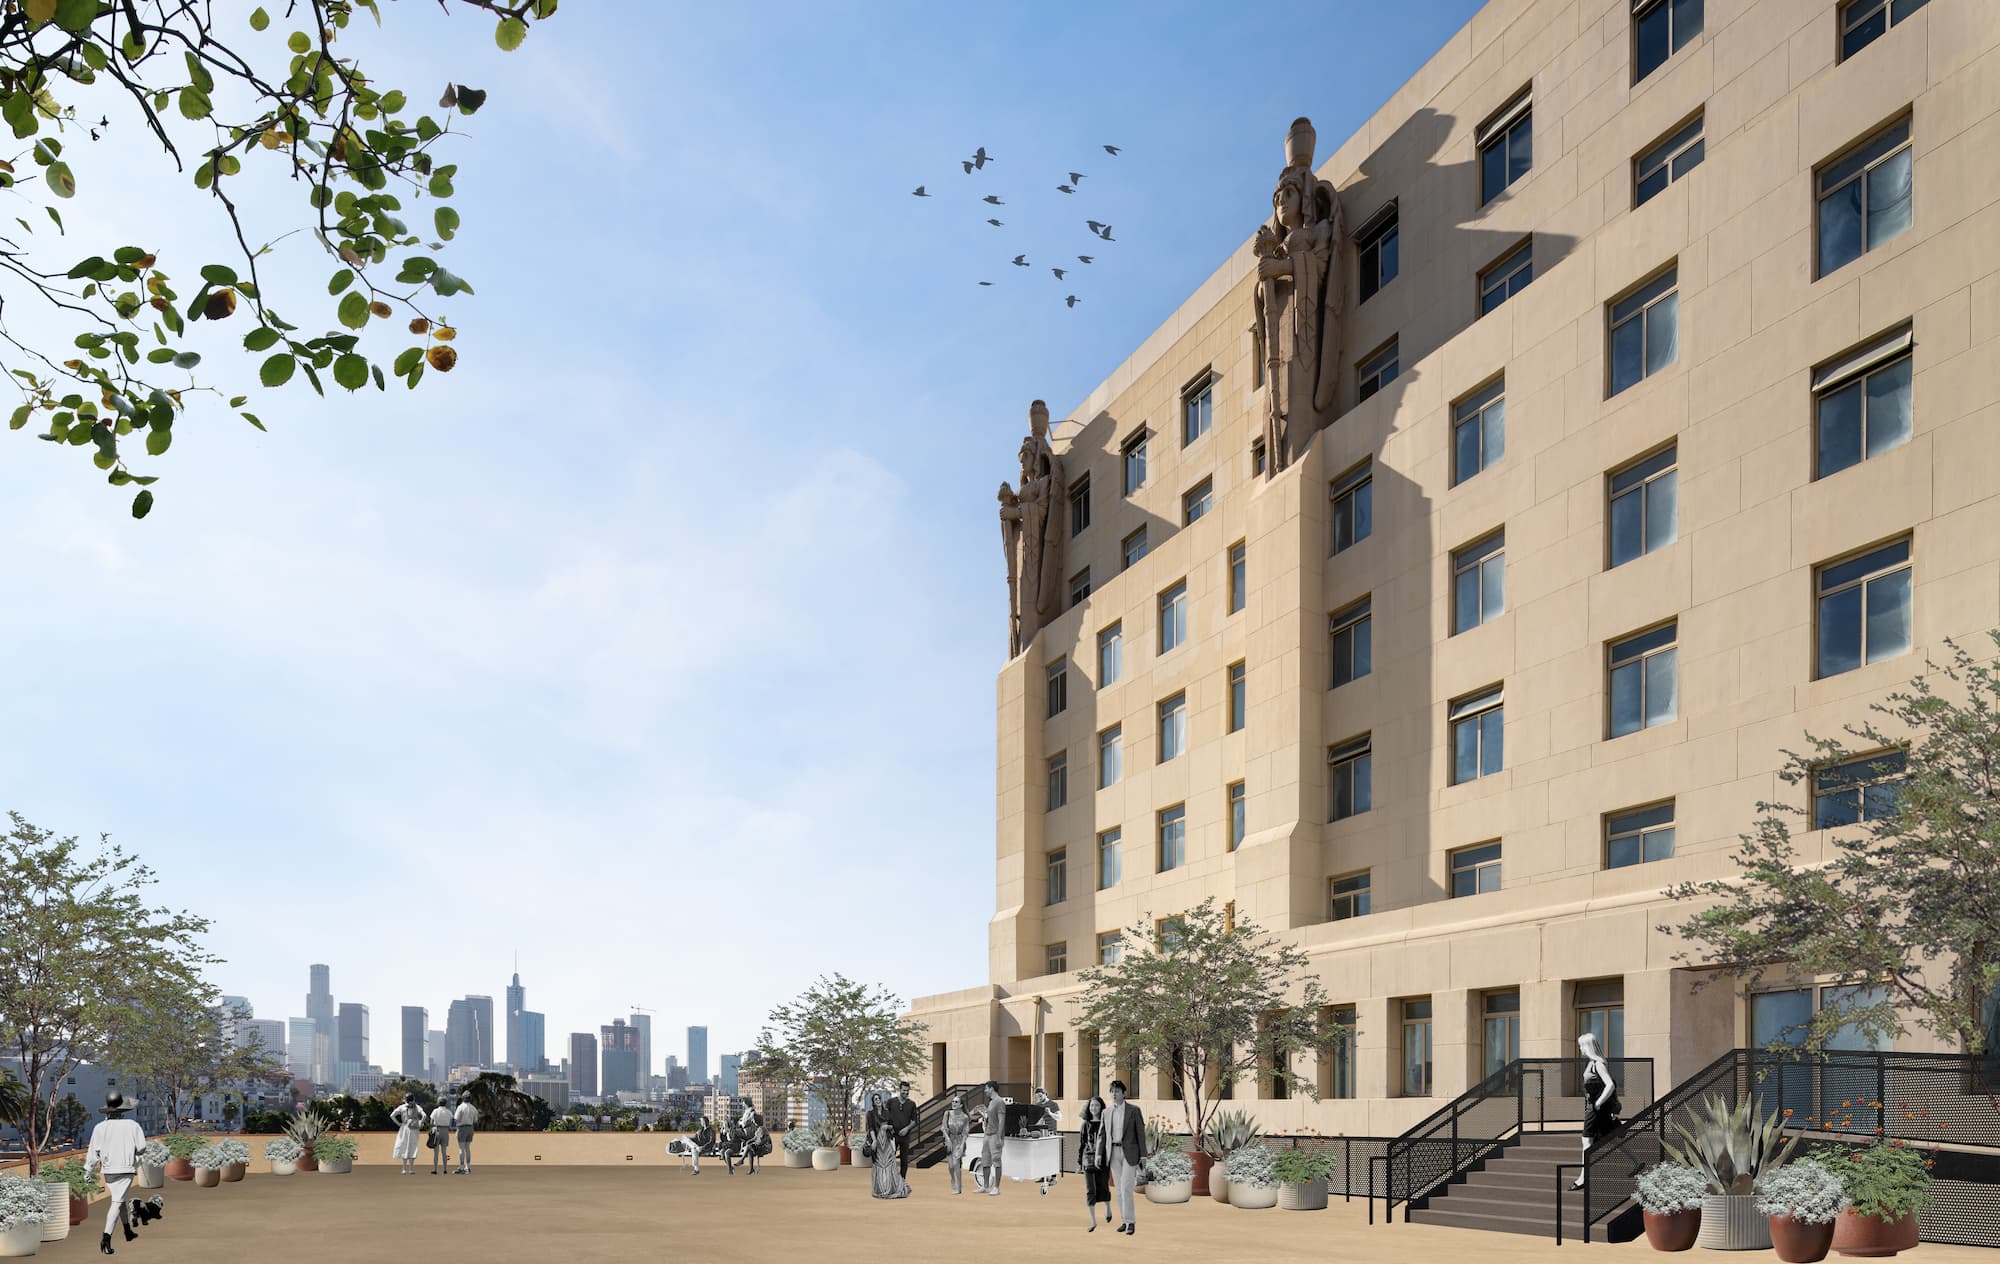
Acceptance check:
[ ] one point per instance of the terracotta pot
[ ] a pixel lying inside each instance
(78, 1209)
(1674, 1230)
(1872, 1236)
(1202, 1165)
(208, 1177)
(1798, 1242)
(846, 1155)
(308, 1161)
(180, 1170)
(234, 1171)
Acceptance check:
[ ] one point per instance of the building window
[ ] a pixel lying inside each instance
(1237, 822)
(1173, 840)
(1197, 409)
(1110, 757)
(1079, 505)
(1661, 28)
(1417, 1048)
(1639, 836)
(1058, 686)
(1058, 875)
(1352, 656)
(1349, 772)
(1173, 727)
(1110, 948)
(1108, 867)
(1475, 870)
(1600, 1010)
(1666, 162)
(1173, 617)
(1110, 654)
(1478, 431)
(1864, 197)
(1134, 453)
(1058, 959)
(1506, 276)
(1856, 790)
(1645, 511)
(1863, 21)
(1478, 582)
(1238, 702)
(1079, 587)
(1353, 506)
(1506, 147)
(1861, 404)
(1864, 609)
(1502, 1011)
(1256, 458)
(1198, 501)
(1058, 780)
(1376, 247)
(1133, 548)
(1338, 1060)
(1169, 933)
(1239, 585)
(1645, 330)
(1347, 897)
(1476, 726)
(1375, 372)
(1644, 680)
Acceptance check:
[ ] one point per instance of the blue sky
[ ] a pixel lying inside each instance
(658, 641)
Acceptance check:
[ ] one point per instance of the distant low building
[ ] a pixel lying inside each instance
(553, 1089)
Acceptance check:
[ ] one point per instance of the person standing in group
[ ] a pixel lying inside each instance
(1050, 1121)
(409, 1118)
(884, 1180)
(466, 1117)
(1093, 1159)
(993, 1134)
(115, 1144)
(440, 1122)
(1125, 1138)
(901, 1114)
(956, 1127)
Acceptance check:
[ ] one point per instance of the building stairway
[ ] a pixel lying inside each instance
(1512, 1191)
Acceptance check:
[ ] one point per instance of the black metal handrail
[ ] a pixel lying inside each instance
(927, 1147)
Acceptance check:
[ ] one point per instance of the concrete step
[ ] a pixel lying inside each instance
(1501, 1202)
(1524, 1223)
(1489, 1178)
(1543, 1167)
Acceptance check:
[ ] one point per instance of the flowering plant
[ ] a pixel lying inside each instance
(22, 1202)
(1807, 1191)
(1666, 1188)
(283, 1150)
(1887, 1180)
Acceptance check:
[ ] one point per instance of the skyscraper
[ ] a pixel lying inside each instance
(319, 1001)
(232, 1011)
(482, 1011)
(352, 1045)
(299, 1047)
(644, 1022)
(434, 1046)
(621, 1058)
(416, 1021)
(697, 1055)
(517, 1000)
(725, 1077)
(469, 1033)
(583, 1064)
(267, 1034)
(534, 1046)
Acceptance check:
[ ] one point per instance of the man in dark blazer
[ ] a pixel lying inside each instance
(900, 1113)
(1125, 1138)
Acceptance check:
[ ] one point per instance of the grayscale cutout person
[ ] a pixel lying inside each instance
(440, 1142)
(1050, 1122)
(901, 1114)
(115, 1144)
(956, 1126)
(409, 1118)
(1125, 1138)
(1093, 1159)
(993, 1130)
(1600, 1097)
(885, 1181)
(467, 1118)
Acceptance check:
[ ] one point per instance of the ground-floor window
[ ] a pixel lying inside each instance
(1502, 1012)
(1336, 1062)
(1417, 1048)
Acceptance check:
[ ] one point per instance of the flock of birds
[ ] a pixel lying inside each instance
(1101, 231)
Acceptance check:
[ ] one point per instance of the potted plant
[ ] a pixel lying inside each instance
(208, 1163)
(1228, 1131)
(24, 1209)
(70, 1186)
(1670, 1198)
(181, 1147)
(1886, 1184)
(1802, 1201)
(335, 1154)
(305, 1128)
(825, 1138)
(1169, 1173)
(1302, 1179)
(1253, 1177)
(283, 1155)
(1729, 1147)
(798, 1147)
(152, 1172)
(235, 1159)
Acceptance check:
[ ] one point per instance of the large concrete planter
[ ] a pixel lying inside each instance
(283, 1167)
(1311, 1196)
(1170, 1191)
(1251, 1197)
(825, 1159)
(337, 1166)
(1218, 1184)
(798, 1158)
(22, 1239)
(1731, 1222)
(150, 1177)
(1672, 1230)
(1871, 1237)
(56, 1227)
(208, 1177)
(1797, 1242)
(234, 1171)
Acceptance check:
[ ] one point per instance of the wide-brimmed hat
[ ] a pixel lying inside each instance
(116, 1104)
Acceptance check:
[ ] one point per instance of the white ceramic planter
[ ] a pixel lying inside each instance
(1731, 1222)
(150, 1177)
(798, 1158)
(1251, 1197)
(23, 1239)
(1310, 1196)
(825, 1159)
(235, 1171)
(283, 1167)
(1170, 1191)
(56, 1227)
(337, 1166)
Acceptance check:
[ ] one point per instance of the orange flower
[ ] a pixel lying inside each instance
(1874, 1105)
(1943, 1124)
(1878, 1132)
(1896, 1143)
(1788, 1112)
(1845, 1105)
(1909, 1114)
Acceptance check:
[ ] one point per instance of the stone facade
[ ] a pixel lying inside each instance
(1736, 574)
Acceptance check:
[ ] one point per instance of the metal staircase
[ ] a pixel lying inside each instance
(928, 1148)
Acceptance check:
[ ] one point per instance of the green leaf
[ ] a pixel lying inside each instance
(340, 281)
(20, 417)
(277, 370)
(259, 20)
(40, 11)
(75, 16)
(158, 440)
(512, 31)
(129, 254)
(351, 371)
(252, 419)
(187, 359)
(217, 274)
(393, 102)
(194, 104)
(61, 182)
(19, 111)
(299, 42)
(160, 355)
(260, 339)
(447, 222)
(353, 311)
(409, 359)
(142, 504)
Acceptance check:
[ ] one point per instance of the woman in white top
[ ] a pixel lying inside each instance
(440, 1122)
(409, 1119)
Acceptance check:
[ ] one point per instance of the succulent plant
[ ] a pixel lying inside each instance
(1805, 1191)
(1254, 1165)
(1229, 1131)
(283, 1150)
(22, 1201)
(1730, 1147)
(1666, 1188)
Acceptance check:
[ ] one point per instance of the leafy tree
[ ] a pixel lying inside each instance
(1904, 904)
(841, 1038)
(397, 1091)
(216, 97)
(176, 1045)
(70, 1118)
(503, 1107)
(1212, 997)
(14, 1099)
(81, 948)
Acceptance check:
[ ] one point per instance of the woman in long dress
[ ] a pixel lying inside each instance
(409, 1118)
(1093, 1159)
(1600, 1097)
(886, 1181)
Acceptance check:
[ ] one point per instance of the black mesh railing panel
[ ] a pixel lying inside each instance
(1350, 1176)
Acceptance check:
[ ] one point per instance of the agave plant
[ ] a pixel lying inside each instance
(306, 1126)
(1229, 1131)
(1729, 1147)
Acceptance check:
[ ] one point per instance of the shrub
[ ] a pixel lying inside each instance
(1730, 1146)
(182, 1145)
(1255, 1166)
(799, 1141)
(1299, 1167)
(1167, 1165)
(234, 1151)
(1887, 1180)
(334, 1149)
(826, 1134)
(1666, 1188)
(209, 1156)
(73, 1173)
(155, 1154)
(1806, 1191)
(283, 1150)
(22, 1202)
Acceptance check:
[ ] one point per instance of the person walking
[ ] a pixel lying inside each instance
(466, 1117)
(440, 1122)
(901, 1115)
(1050, 1121)
(409, 1118)
(115, 1144)
(884, 1180)
(1125, 1138)
(993, 1134)
(1093, 1159)
(957, 1125)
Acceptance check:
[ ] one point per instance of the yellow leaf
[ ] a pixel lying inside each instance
(40, 11)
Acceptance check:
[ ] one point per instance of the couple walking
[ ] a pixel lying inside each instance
(892, 1131)
(411, 1123)
(1111, 1151)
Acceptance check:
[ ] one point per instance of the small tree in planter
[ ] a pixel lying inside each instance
(838, 1037)
(1887, 1184)
(1670, 1200)
(1253, 1177)
(1302, 1178)
(1802, 1200)
(24, 1209)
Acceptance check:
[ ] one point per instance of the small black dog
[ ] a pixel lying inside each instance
(148, 1210)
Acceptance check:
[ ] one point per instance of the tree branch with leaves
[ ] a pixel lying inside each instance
(838, 1038)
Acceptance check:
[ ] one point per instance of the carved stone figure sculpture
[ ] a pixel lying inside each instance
(1031, 528)
(1301, 295)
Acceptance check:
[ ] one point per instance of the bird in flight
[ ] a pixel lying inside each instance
(968, 167)
(1112, 150)
(1102, 230)
(1072, 300)
(1065, 188)
(1076, 177)
(994, 200)
(920, 192)
(986, 282)
(1020, 261)
(1058, 272)
(994, 222)
(979, 158)
(1083, 258)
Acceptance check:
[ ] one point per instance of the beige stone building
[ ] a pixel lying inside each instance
(1668, 435)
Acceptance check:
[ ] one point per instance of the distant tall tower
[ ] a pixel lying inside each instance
(644, 1022)
(517, 1000)
(534, 1049)
(482, 1014)
(353, 1043)
(698, 1055)
(583, 1064)
(725, 1076)
(621, 1059)
(434, 1053)
(319, 1001)
(232, 1010)
(416, 1023)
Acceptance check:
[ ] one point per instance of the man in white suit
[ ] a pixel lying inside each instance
(1125, 1137)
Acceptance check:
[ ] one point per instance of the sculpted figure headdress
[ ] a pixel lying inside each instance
(1301, 297)
(1031, 528)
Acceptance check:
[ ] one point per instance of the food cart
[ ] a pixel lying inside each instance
(1030, 1150)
